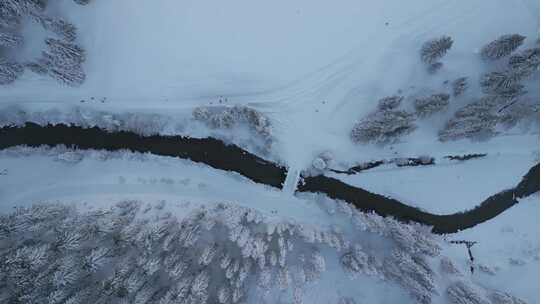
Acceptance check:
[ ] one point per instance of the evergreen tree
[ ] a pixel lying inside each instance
(427, 106)
(507, 83)
(526, 62)
(9, 71)
(64, 29)
(389, 103)
(63, 62)
(435, 49)
(502, 46)
(10, 40)
(459, 86)
(383, 127)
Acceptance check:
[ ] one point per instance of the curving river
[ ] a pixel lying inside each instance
(219, 155)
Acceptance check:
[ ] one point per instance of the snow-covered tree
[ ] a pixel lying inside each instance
(10, 40)
(507, 83)
(63, 61)
(9, 71)
(526, 62)
(435, 49)
(459, 86)
(383, 127)
(389, 103)
(405, 270)
(64, 29)
(427, 106)
(481, 118)
(502, 46)
(461, 292)
(499, 297)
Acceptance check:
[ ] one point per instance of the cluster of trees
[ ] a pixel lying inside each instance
(62, 59)
(227, 117)
(505, 100)
(140, 123)
(503, 104)
(135, 253)
(54, 254)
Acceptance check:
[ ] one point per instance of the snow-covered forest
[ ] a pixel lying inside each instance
(284, 152)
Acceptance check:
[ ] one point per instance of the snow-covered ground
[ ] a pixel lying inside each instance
(314, 68)
(509, 248)
(446, 187)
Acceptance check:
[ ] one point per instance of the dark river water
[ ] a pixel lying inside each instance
(221, 156)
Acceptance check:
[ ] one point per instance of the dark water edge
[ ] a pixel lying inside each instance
(212, 152)
(219, 155)
(442, 224)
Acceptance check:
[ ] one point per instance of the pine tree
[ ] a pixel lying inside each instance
(9, 71)
(383, 127)
(461, 292)
(10, 40)
(502, 46)
(63, 62)
(389, 103)
(64, 29)
(459, 86)
(507, 83)
(526, 62)
(435, 49)
(427, 106)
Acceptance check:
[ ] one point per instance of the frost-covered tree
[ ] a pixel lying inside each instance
(476, 120)
(461, 292)
(219, 253)
(409, 272)
(12, 11)
(526, 62)
(64, 29)
(383, 127)
(459, 86)
(10, 40)
(502, 46)
(507, 83)
(480, 118)
(9, 71)
(228, 117)
(389, 103)
(435, 49)
(498, 297)
(427, 106)
(62, 61)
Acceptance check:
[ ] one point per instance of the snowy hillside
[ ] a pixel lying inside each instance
(433, 105)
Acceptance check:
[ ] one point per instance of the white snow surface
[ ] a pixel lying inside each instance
(314, 67)
(510, 245)
(446, 187)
